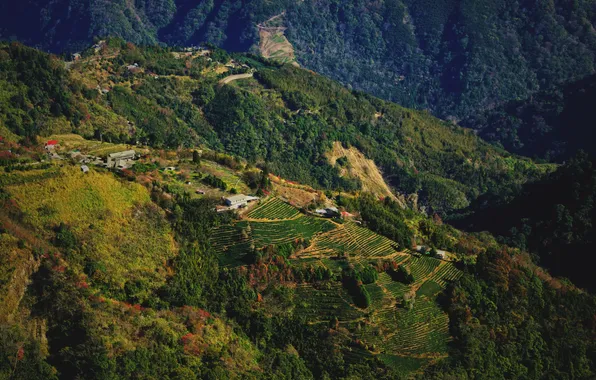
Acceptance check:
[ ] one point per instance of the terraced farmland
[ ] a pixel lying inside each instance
(274, 209)
(403, 337)
(326, 304)
(421, 330)
(358, 243)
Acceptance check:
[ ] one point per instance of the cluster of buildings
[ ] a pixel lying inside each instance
(119, 160)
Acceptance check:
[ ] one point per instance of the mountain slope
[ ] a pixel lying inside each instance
(552, 124)
(132, 273)
(554, 218)
(451, 57)
(285, 117)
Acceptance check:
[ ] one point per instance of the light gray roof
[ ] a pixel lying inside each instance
(125, 153)
(240, 198)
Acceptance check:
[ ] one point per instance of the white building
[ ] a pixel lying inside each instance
(239, 200)
(328, 212)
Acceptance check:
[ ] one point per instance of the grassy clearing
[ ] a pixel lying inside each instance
(230, 177)
(96, 148)
(116, 225)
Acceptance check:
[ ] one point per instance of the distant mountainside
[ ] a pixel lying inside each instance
(284, 117)
(552, 124)
(554, 218)
(451, 57)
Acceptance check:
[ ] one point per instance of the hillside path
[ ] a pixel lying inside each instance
(231, 78)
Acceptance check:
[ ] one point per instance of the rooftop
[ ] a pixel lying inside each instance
(125, 153)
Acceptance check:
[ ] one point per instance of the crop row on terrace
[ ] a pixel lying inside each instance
(232, 242)
(404, 365)
(396, 289)
(383, 326)
(359, 244)
(421, 267)
(229, 244)
(446, 273)
(285, 231)
(325, 304)
(370, 244)
(422, 329)
(274, 209)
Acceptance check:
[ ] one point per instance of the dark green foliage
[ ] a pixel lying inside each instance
(369, 275)
(353, 279)
(203, 95)
(65, 238)
(508, 323)
(159, 128)
(21, 357)
(196, 157)
(139, 167)
(286, 366)
(214, 181)
(451, 57)
(551, 125)
(554, 218)
(401, 274)
(34, 88)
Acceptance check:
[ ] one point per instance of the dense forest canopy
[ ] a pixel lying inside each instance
(286, 117)
(452, 57)
(551, 125)
(554, 218)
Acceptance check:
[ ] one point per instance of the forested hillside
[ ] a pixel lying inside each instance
(553, 218)
(143, 272)
(454, 58)
(127, 274)
(284, 117)
(551, 125)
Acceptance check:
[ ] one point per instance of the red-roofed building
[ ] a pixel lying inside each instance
(51, 144)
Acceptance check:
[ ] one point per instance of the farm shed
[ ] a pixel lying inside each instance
(239, 200)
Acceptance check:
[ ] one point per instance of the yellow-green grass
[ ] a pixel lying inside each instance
(227, 175)
(114, 221)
